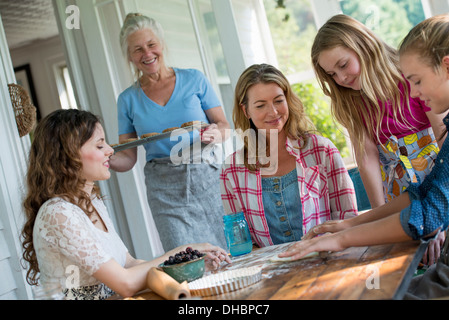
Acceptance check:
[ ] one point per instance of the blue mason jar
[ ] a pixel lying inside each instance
(237, 234)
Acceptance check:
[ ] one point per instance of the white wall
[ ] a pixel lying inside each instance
(41, 56)
(12, 173)
(435, 7)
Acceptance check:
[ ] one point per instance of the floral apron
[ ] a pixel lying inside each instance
(406, 160)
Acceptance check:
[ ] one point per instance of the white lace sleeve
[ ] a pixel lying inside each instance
(67, 229)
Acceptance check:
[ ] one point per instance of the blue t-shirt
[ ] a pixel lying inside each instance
(193, 94)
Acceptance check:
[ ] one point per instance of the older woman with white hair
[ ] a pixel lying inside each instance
(184, 198)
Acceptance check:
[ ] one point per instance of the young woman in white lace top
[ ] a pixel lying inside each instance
(68, 238)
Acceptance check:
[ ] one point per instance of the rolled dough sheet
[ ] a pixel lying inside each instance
(276, 258)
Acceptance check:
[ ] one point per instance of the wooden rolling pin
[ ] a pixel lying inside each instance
(165, 286)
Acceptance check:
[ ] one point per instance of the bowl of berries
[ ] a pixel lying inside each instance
(186, 265)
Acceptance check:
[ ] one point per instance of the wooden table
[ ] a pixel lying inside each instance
(359, 273)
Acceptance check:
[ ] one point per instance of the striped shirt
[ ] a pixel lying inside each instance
(325, 187)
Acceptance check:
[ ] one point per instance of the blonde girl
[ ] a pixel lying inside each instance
(421, 211)
(393, 134)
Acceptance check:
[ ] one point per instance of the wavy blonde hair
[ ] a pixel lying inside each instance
(361, 112)
(298, 124)
(54, 170)
(430, 41)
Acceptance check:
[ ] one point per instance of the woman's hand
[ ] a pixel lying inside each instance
(214, 255)
(218, 131)
(212, 134)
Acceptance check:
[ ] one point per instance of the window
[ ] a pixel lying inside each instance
(214, 55)
(65, 89)
(293, 29)
(293, 26)
(389, 19)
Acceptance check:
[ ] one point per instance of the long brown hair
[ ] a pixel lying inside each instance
(361, 112)
(298, 124)
(54, 168)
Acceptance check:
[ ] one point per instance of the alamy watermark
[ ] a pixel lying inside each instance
(265, 154)
(72, 273)
(373, 280)
(73, 20)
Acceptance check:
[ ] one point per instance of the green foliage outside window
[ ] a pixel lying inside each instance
(293, 30)
(317, 107)
(389, 19)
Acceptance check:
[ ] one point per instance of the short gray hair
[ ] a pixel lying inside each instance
(135, 22)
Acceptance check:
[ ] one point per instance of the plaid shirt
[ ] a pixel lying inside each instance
(325, 187)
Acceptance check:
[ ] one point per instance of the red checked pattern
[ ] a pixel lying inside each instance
(325, 187)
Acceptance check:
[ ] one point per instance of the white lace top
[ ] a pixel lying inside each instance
(70, 248)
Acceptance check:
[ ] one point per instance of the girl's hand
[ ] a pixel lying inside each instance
(331, 226)
(326, 243)
(433, 250)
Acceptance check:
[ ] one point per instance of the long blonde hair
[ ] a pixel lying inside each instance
(297, 125)
(361, 112)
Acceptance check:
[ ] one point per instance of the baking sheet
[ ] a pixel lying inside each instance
(160, 136)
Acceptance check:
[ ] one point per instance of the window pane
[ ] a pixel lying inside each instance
(293, 30)
(69, 88)
(391, 20)
(215, 44)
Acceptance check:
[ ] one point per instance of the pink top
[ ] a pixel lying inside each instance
(417, 118)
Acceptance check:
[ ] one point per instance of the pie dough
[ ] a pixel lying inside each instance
(276, 258)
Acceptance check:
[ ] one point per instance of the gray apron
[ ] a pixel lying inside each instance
(185, 202)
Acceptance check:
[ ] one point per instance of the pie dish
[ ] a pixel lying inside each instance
(227, 281)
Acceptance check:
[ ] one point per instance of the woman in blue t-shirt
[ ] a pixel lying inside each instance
(183, 191)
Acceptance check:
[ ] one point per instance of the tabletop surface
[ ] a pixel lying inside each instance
(358, 273)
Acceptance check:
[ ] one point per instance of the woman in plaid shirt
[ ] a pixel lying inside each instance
(285, 179)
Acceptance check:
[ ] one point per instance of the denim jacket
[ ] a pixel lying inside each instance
(429, 208)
